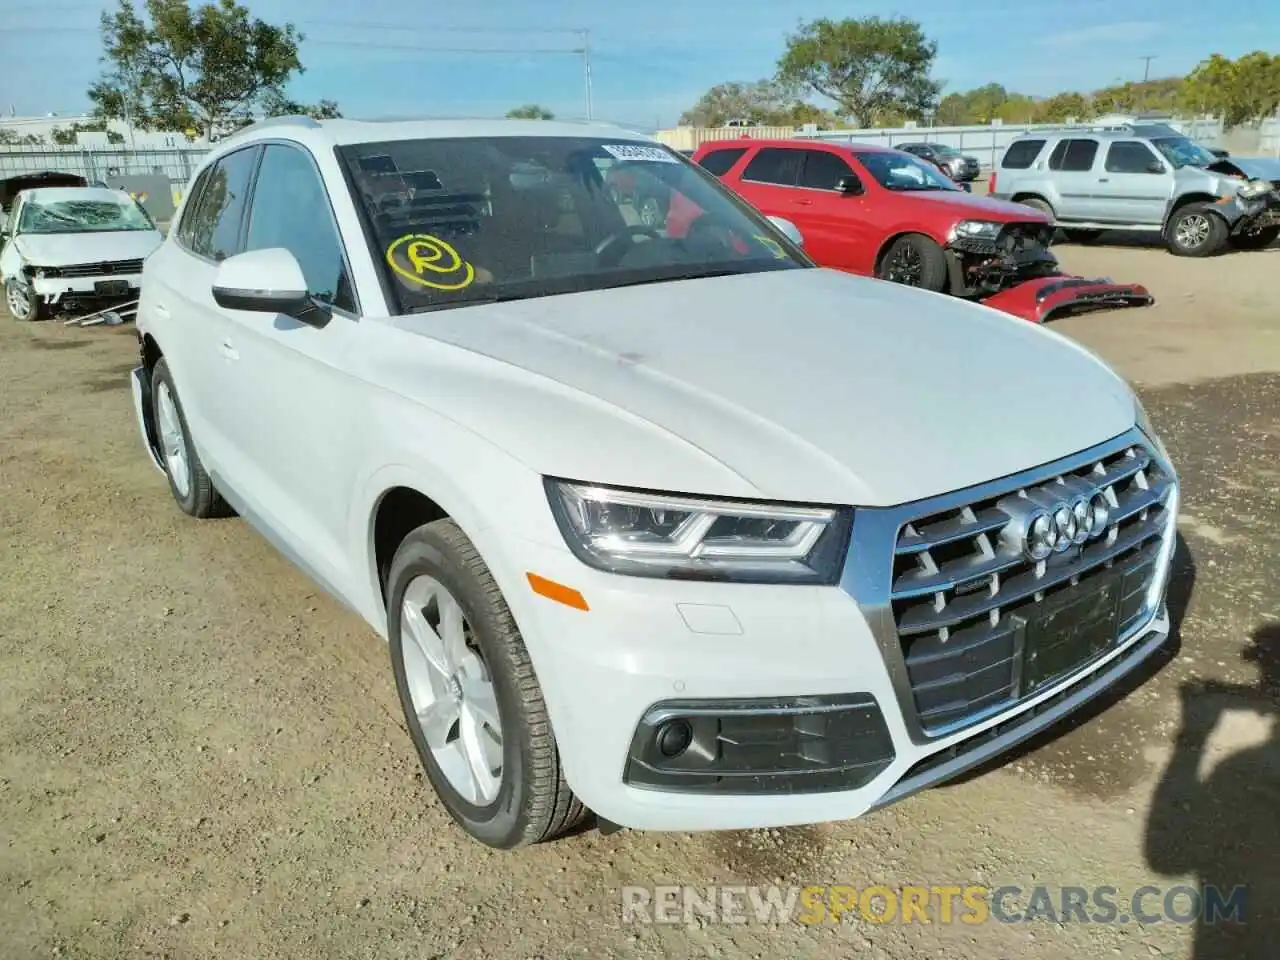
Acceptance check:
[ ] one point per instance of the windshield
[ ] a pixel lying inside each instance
(457, 221)
(1183, 152)
(944, 151)
(903, 172)
(82, 216)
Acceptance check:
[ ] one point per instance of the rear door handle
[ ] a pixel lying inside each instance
(229, 350)
(1104, 179)
(803, 203)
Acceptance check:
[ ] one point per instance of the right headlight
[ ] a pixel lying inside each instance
(1255, 188)
(691, 538)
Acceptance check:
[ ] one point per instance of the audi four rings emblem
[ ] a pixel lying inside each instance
(1055, 526)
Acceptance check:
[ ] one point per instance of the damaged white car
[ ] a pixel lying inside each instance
(69, 249)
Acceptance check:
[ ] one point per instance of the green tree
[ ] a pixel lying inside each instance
(872, 68)
(1239, 91)
(1064, 106)
(67, 135)
(531, 111)
(11, 138)
(208, 69)
(765, 102)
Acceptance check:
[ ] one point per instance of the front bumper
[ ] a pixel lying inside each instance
(1040, 299)
(87, 292)
(650, 650)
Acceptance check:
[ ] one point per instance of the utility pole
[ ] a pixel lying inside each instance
(586, 66)
(1146, 69)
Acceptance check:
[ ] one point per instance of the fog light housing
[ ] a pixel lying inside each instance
(760, 746)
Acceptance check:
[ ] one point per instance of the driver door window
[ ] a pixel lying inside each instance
(291, 210)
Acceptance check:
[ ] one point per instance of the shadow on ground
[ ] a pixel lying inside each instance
(1222, 827)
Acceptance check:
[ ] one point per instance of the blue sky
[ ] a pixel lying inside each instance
(650, 60)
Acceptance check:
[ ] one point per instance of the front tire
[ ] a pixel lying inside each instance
(471, 701)
(914, 260)
(1195, 231)
(1256, 239)
(24, 303)
(190, 485)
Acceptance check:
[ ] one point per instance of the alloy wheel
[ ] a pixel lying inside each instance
(905, 266)
(454, 700)
(173, 442)
(1192, 231)
(18, 300)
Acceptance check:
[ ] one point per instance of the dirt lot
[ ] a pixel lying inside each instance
(201, 755)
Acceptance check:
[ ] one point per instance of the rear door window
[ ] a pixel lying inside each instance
(1074, 156)
(1021, 154)
(823, 170)
(719, 162)
(774, 165)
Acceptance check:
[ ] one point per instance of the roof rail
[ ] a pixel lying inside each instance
(1085, 125)
(288, 120)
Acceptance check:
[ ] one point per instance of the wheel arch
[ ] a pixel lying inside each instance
(1177, 203)
(897, 235)
(1023, 195)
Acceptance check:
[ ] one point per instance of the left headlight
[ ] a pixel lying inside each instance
(977, 229)
(691, 538)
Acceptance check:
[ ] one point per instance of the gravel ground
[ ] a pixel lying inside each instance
(201, 755)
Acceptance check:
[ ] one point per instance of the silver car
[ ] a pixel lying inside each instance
(1143, 177)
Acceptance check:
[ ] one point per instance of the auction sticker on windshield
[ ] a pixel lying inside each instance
(638, 151)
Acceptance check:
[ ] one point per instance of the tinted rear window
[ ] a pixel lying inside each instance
(718, 162)
(773, 165)
(1021, 154)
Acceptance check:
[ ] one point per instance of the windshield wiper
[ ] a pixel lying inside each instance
(468, 302)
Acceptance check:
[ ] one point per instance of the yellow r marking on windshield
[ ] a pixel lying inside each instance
(417, 255)
(773, 246)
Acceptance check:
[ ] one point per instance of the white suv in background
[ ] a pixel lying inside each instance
(665, 521)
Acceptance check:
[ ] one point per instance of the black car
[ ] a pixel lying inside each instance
(960, 167)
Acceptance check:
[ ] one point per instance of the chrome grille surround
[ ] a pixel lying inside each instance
(947, 591)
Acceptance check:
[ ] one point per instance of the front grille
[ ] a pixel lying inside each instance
(964, 596)
(115, 268)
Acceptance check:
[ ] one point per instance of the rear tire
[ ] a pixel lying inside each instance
(1257, 240)
(188, 482)
(481, 668)
(1195, 231)
(914, 260)
(24, 303)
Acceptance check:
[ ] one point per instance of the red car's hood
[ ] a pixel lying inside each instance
(974, 207)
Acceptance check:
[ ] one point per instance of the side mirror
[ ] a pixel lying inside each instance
(266, 281)
(1155, 166)
(788, 230)
(850, 185)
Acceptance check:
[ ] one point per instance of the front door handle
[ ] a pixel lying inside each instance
(803, 203)
(1104, 179)
(229, 351)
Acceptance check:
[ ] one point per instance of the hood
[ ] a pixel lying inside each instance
(976, 207)
(63, 249)
(809, 385)
(1255, 168)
